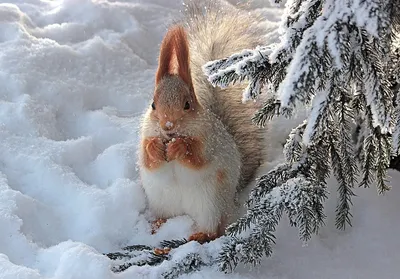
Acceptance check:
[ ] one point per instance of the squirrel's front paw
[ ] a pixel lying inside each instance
(177, 149)
(155, 150)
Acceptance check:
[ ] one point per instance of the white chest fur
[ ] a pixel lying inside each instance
(174, 190)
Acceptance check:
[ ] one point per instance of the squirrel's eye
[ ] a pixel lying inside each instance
(153, 106)
(187, 106)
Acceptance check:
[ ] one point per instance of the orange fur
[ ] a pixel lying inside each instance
(162, 251)
(166, 115)
(221, 176)
(174, 87)
(156, 224)
(154, 153)
(217, 122)
(201, 237)
(174, 56)
(189, 151)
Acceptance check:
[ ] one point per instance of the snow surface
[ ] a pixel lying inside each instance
(75, 76)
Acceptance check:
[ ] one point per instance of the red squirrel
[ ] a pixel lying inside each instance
(198, 145)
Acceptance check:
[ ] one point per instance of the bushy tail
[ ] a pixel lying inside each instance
(217, 30)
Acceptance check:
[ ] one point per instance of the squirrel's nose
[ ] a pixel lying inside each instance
(167, 125)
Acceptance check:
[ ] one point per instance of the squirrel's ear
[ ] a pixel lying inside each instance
(174, 56)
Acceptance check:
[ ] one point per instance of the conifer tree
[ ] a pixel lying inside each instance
(340, 58)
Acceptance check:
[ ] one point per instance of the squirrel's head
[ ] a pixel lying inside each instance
(174, 101)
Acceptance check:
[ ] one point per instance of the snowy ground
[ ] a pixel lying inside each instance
(74, 77)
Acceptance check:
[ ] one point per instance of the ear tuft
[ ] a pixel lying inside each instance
(174, 56)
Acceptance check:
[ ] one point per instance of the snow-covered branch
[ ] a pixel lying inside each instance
(341, 58)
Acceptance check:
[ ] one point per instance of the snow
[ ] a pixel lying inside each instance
(325, 36)
(75, 77)
(169, 124)
(367, 15)
(316, 116)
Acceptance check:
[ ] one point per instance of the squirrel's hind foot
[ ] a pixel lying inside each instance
(155, 225)
(202, 237)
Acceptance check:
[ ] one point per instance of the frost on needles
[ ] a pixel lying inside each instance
(340, 58)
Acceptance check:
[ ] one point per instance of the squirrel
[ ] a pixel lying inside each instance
(198, 145)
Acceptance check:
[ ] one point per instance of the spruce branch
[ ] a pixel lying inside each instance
(283, 189)
(378, 94)
(172, 244)
(294, 145)
(377, 154)
(301, 15)
(340, 58)
(369, 162)
(319, 114)
(136, 255)
(267, 182)
(190, 263)
(269, 110)
(170, 258)
(394, 78)
(252, 65)
(344, 164)
(298, 197)
(396, 134)
(308, 72)
(384, 152)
